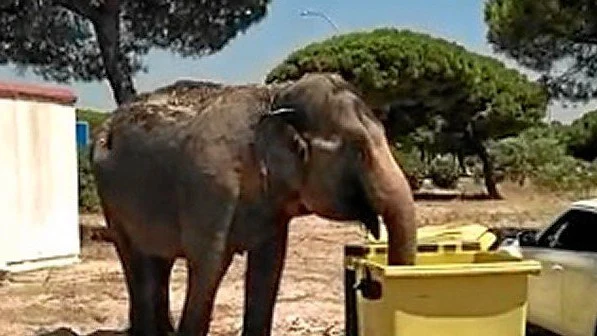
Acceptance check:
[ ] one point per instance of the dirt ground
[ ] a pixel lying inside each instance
(90, 296)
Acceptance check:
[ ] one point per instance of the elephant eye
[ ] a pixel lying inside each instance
(363, 155)
(301, 148)
(303, 153)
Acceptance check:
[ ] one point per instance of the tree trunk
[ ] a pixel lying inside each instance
(487, 170)
(521, 180)
(107, 30)
(461, 165)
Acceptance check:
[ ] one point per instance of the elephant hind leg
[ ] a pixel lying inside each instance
(160, 279)
(147, 279)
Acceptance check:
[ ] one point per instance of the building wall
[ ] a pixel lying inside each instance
(38, 184)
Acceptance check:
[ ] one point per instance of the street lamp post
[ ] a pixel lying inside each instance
(321, 15)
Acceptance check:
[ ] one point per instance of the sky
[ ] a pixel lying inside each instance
(250, 56)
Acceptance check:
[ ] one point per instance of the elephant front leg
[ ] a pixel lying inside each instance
(262, 282)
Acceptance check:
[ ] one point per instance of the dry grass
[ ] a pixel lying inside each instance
(91, 296)
(521, 207)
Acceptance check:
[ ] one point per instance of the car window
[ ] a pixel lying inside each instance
(548, 238)
(574, 231)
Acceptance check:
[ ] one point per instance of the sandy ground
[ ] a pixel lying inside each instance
(91, 296)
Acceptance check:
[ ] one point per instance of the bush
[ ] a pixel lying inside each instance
(444, 172)
(541, 156)
(582, 137)
(88, 196)
(568, 175)
(524, 156)
(412, 166)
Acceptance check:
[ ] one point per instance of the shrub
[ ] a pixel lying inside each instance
(541, 156)
(526, 155)
(88, 196)
(412, 166)
(582, 136)
(444, 172)
(568, 175)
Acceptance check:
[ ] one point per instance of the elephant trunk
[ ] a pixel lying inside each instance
(393, 199)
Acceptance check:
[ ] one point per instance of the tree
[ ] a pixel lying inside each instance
(426, 85)
(85, 40)
(582, 137)
(556, 38)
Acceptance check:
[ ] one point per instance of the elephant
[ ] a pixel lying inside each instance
(204, 172)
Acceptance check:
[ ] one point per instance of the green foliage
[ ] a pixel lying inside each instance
(88, 197)
(412, 166)
(568, 174)
(60, 45)
(425, 78)
(547, 36)
(93, 117)
(524, 156)
(446, 98)
(444, 172)
(540, 154)
(582, 137)
(65, 40)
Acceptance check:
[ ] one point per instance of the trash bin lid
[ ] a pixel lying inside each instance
(455, 233)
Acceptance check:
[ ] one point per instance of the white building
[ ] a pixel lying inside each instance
(38, 177)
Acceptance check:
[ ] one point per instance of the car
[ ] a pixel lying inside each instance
(562, 299)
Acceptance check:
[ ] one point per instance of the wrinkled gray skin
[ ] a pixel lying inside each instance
(203, 172)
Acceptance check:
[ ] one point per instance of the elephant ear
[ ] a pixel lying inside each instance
(281, 150)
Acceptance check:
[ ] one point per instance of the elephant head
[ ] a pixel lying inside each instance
(323, 148)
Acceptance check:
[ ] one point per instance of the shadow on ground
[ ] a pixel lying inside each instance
(69, 332)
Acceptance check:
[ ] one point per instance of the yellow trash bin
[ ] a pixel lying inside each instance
(463, 291)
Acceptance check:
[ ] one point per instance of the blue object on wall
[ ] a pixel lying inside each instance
(82, 133)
